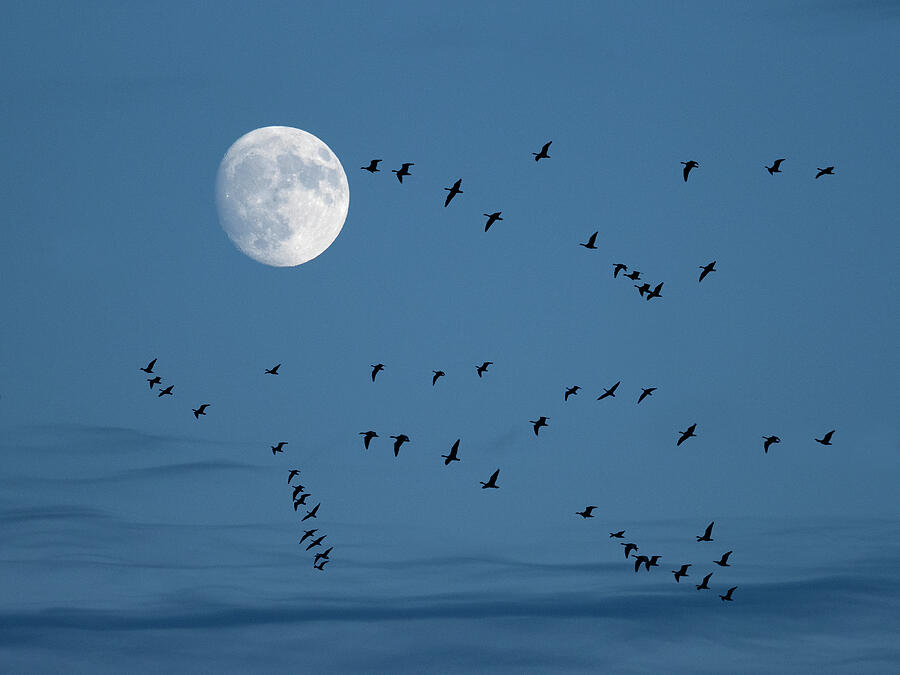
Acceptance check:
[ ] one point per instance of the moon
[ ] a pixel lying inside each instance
(282, 195)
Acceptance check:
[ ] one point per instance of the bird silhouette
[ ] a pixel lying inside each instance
(704, 585)
(403, 171)
(686, 434)
(617, 535)
(308, 534)
(634, 275)
(681, 572)
(367, 437)
(610, 392)
(687, 168)
(454, 190)
(826, 439)
(827, 171)
(776, 167)
(629, 547)
(293, 472)
(727, 596)
(724, 560)
(279, 447)
(640, 560)
(645, 393)
(437, 374)
(297, 489)
(166, 392)
(301, 500)
(538, 423)
(452, 456)
(200, 411)
(707, 534)
(373, 166)
(154, 380)
(656, 292)
(149, 367)
(273, 370)
(653, 562)
(619, 267)
(645, 287)
(543, 153)
(323, 555)
(398, 441)
(591, 241)
(376, 368)
(571, 391)
(491, 219)
(483, 367)
(711, 267)
(316, 542)
(587, 513)
(769, 440)
(492, 481)
(311, 514)
(321, 565)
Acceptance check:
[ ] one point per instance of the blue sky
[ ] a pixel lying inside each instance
(122, 507)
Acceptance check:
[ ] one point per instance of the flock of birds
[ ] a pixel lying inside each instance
(645, 290)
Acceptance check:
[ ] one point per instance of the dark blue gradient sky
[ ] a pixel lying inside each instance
(137, 538)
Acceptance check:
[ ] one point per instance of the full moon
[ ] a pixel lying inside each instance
(282, 195)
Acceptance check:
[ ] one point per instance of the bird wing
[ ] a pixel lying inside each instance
(777, 163)
(709, 529)
(546, 147)
(687, 170)
(493, 478)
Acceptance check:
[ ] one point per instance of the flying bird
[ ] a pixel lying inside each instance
(656, 292)
(727, 596)
(704, 585)
(543, 153)
(769, 440)
(437, 374)
(155, 380)
(149, 368)
(321, 565)
(308, 534)
(316, 542)
(776, 167)
(645, 287)
(273, 370)
(610, 392)
(311, 514)
(707, 534)
(398, 441)
(634, 275)
(686, 434)
(483, 367)
(323, 555)
(653, 562)
(492, 481)
(368, 436)
(293, 472)
(279, 447)
(640, 560)
(403, 171)
(724, 561)
(826, 439)
(587, 513)
(645, 393)
(538, 423)
(827, 171)
(619, 267)
(629, 547)
(301, 500)
(491, 219)
(687, 168)
(200, 411)
(454, 190)
(166, 392)
(711, 267)
(617, 535)
(452, 456)
(681, 572)
(591, 241)
(571, 391)
(297, 489)
(373, 166)
(376, 368)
